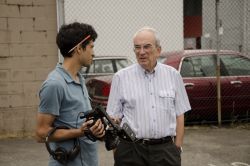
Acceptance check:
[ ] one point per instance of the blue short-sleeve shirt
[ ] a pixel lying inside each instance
(61, 96)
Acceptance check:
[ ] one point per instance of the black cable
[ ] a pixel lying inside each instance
(80, 151)
(78, 138)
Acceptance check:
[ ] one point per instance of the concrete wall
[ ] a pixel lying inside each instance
(27, 53)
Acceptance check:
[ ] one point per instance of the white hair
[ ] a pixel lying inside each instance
(150, 29)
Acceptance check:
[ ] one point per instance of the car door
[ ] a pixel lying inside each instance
(235, 86)
(198, 74)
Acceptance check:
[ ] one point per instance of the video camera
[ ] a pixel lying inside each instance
(112, 131)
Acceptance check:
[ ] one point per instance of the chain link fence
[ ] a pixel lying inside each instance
(234, 19)
(182, 25)
(116, 21)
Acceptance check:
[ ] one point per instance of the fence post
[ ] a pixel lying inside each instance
(219, 32)
(60, 21)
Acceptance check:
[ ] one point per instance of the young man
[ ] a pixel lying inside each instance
(151, 98)
(64, 98)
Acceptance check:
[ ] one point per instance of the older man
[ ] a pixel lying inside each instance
(151, 98)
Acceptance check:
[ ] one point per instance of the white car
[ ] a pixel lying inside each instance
(105, 65)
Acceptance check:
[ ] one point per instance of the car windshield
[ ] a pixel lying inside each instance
(105, 66)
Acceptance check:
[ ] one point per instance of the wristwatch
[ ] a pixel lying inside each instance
(180, 149)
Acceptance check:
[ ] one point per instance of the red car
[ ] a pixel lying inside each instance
(98, 76)
(198, 69)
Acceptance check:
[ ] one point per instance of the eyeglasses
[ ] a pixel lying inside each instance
(83, 40)
(146, 47)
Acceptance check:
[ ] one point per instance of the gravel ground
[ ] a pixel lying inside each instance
(203, 146)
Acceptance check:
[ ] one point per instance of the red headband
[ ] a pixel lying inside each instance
(79, 43)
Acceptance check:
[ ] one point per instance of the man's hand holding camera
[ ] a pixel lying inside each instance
(96, 128)
(110, 125)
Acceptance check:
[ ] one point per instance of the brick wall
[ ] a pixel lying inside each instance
(27, 53)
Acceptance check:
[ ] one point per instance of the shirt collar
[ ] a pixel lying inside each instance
(145, 72)
(66, 74)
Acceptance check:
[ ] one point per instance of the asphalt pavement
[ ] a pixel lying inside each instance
(203, 146)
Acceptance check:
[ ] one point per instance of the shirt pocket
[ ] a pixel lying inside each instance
(166, 100)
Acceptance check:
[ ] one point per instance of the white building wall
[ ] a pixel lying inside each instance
(116, 21)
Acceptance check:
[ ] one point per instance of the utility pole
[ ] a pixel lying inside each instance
(219, 32)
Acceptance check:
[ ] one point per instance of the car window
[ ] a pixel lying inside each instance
(90, 69)
(202, 66)
(103, 66)
(187, 69)
(121, 63)
(235, 65)
(83, 69)
(99, 66)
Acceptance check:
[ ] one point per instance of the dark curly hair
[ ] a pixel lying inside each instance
(71, 34)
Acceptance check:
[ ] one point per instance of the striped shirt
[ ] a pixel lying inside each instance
(148, 102)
